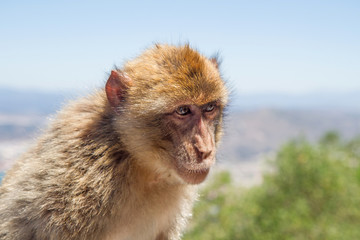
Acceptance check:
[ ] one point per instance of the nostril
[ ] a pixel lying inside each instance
(206, 154)
(202, 155)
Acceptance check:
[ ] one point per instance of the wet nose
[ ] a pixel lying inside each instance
(203, 153)
(203, 146)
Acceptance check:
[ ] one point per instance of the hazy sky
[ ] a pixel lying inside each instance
(266, 46)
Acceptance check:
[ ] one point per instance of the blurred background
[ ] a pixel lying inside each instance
(289, 161)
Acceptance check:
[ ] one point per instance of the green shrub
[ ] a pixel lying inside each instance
(312, 192)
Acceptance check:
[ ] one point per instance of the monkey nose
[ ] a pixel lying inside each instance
(202, 154)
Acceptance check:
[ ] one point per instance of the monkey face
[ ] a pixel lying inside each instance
(168, 105)
(191, 129)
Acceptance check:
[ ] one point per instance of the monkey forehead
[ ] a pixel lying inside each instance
(169, 94)
(175, 74)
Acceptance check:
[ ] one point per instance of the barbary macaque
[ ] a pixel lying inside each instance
(122, 163)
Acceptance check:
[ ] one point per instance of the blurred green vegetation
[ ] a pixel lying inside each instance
(312, 191)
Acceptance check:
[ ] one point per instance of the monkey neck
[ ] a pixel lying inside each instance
(149, 178)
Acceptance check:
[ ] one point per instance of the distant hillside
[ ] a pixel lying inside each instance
(251, 133)
(315, 100)
(30, 102)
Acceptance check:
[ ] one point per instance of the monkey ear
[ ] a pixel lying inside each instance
(116, 87)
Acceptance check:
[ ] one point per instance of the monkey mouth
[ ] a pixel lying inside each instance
(192, 175)
(192, 169)
(195, 169)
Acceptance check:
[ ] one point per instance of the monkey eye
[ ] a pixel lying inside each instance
(209, 107)
(183, 110)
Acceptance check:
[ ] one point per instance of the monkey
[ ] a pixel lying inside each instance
(123, 162)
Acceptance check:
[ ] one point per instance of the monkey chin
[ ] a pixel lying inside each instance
(194, 174)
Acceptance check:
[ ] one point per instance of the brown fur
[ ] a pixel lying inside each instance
(97, 173)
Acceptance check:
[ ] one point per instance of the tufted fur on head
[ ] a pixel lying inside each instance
(171, 75)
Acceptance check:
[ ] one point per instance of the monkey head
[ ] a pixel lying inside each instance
(168, 105)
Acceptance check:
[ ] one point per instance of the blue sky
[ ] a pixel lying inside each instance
(267, 46)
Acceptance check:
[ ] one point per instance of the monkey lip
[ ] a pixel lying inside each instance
(196, 169)
(193, 175)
